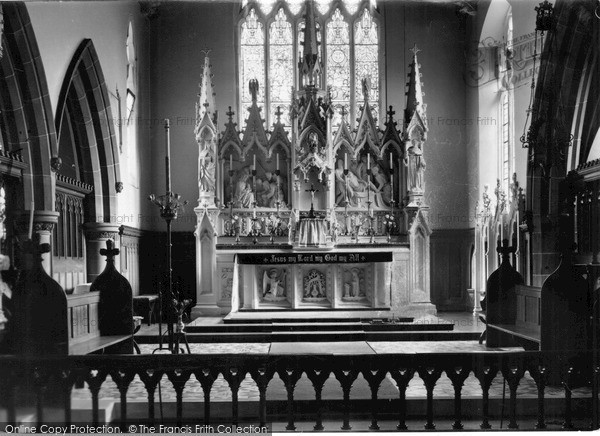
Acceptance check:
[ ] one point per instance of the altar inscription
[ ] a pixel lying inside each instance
(309, 258)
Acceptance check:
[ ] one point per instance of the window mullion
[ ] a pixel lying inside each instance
(353, 97)
(267, 48)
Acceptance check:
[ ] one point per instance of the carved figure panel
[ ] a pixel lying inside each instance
(274, 284)
(354, 284)
(226, 282)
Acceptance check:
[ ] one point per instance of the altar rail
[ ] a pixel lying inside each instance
(63, 372)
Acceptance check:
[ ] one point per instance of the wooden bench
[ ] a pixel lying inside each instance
(84, 333)
(526, 330)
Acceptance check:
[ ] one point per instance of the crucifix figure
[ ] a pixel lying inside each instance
(312, 190)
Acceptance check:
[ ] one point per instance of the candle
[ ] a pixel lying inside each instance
(230, 162)
(277, 161)
(368, 161)
(168, 156)
(346, 161)
(254, 166)
(391, 162)
(30, 234)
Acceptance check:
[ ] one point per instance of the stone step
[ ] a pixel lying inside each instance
(320, 336)
(317, 326)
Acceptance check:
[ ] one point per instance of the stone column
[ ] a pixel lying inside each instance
(96, 235)
(43, 224)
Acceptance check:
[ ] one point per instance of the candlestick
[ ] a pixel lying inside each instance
(168, 156)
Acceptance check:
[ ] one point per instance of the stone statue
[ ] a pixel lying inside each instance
(206, 164)
(349, 189)
(383, 188)
(244, 195)
(352, 286)
(416, 166)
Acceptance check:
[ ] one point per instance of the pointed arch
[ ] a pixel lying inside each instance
(26, 122)
(84, 105)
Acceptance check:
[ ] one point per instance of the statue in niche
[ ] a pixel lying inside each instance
(244, 195)
(352, 288)
(206, 164)
(383, 188)
(273, 286)
(416, 166)
(354, 190)
(314, 286)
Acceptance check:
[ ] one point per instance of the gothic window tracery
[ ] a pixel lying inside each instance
(271, 36)
(252, 59)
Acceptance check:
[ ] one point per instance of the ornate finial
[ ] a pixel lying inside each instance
(253, 87)
(205, 52)
(278, 114)
(390, 113)
(366, 87)
(110, 252)
(343, 112)
(415, 50)
(310, 66)
(230, 114)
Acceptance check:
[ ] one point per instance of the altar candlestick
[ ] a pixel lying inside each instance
(368, 161)
(168, 156)
(346, 161)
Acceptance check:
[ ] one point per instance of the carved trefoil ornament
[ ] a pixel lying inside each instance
(315, 289)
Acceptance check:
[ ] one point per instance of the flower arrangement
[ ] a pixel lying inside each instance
(390, 224)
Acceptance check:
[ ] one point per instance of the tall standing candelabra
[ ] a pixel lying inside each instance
(169, 205)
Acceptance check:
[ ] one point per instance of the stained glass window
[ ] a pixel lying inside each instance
(348, 36)
(252, 60)
(338, 64)
(366, 64)
(281, 66)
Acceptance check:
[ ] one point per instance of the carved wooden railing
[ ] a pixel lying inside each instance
(62, 373)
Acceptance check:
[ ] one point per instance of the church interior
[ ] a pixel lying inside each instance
(299, 215)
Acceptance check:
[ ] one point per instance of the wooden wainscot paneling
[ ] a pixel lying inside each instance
(450, 251)
(130, 256)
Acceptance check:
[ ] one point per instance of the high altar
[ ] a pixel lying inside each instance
(299, 217)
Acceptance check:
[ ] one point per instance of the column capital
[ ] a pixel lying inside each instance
(43, 220)
(100, 231)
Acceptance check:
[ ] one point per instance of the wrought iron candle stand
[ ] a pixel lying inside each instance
(392, 201)
(169, 205)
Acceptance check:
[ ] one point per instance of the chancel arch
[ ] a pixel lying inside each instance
(27, 129)
(88, 174)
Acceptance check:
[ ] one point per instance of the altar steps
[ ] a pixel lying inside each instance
(320, 336)
(320, 326)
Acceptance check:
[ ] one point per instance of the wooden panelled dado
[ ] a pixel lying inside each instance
(130, 256)
(450, 263)
(68, 263)
(528, 305)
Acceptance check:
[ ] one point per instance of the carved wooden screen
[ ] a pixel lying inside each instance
(68, 247)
